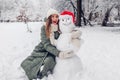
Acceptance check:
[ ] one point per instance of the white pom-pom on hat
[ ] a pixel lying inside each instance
(51, 12)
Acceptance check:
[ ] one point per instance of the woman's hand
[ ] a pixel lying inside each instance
(66, 54)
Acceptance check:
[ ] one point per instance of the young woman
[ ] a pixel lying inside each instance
(45, 52)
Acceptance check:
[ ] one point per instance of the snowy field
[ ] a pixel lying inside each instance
(100, 52)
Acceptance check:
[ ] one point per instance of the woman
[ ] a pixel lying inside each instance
(45, 52)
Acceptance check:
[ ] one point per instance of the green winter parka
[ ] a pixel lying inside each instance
(31, 64)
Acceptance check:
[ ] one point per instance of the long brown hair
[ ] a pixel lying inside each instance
(47, 27)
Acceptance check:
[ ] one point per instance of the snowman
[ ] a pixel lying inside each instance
(69, 39)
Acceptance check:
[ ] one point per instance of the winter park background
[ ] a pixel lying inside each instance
(20, 23)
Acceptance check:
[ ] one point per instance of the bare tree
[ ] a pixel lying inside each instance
(79, 10)
(107, 14)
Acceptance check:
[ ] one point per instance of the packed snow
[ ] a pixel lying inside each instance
(99, 54)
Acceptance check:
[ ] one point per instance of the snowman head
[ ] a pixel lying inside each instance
(66, 21)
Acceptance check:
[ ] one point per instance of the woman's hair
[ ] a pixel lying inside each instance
(47, 27)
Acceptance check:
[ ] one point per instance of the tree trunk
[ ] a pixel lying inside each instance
(79, 9)
(107, 14)
(84, 20)
(90, 16)
(104, 23)
(119, 11)
(81, 12)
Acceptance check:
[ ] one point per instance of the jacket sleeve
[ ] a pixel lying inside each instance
(47, 45)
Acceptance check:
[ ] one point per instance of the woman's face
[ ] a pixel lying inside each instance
(54, 18)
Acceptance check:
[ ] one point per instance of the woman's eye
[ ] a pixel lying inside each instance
(62, 19)
(57, 16)
(52, 16)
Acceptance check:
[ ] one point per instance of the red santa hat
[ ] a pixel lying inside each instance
(66, 12)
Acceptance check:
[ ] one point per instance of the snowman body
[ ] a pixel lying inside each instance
(66, 27)
(63, 43)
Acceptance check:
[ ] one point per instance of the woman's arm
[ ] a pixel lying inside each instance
(47, 45)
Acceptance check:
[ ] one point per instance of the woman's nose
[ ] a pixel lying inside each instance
(55, 18)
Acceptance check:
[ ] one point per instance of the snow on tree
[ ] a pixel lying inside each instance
(36, 10)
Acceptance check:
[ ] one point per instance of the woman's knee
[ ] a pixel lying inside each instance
(50, 62)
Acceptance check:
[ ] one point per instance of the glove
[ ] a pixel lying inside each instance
(76, 34)
(66, 54)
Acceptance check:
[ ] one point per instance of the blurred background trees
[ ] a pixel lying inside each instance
(93, 11)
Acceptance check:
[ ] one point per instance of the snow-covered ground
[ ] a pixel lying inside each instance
(99, 54)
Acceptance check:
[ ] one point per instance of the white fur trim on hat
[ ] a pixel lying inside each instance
(52, 11)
